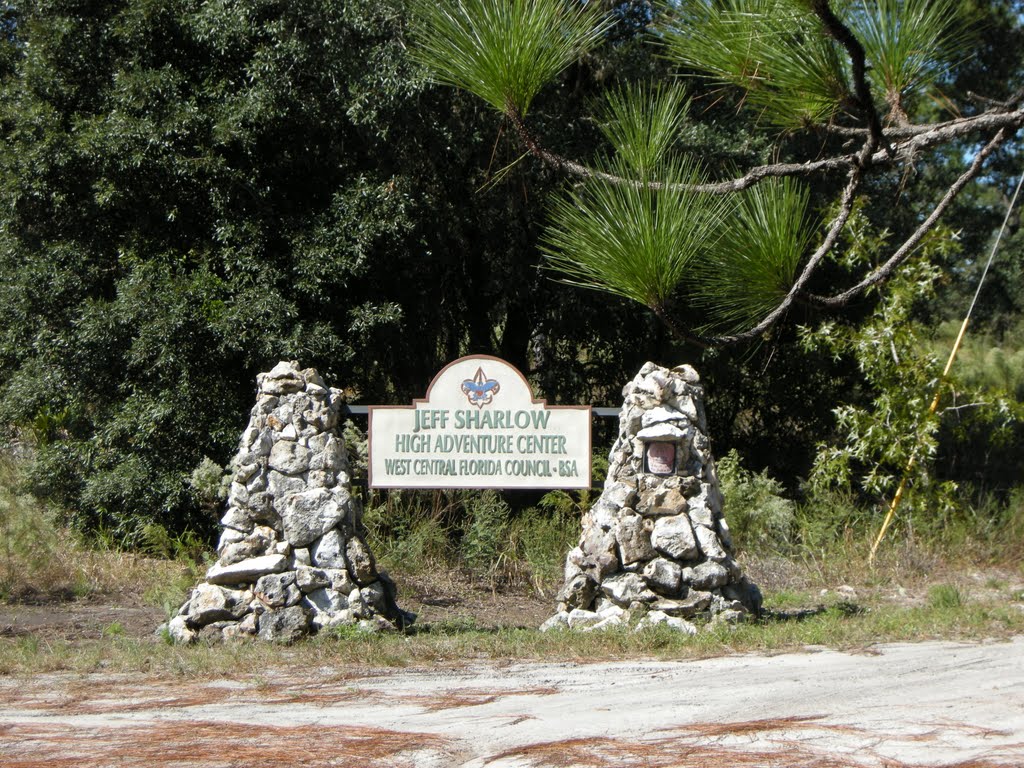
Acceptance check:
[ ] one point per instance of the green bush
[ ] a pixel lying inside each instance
(545, 536)
(945, 597)
(485, 545)
(410, 531)
(759, 516)
(827, 516)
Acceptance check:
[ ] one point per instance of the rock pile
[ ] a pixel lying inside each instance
(290, 559)
(655, 546)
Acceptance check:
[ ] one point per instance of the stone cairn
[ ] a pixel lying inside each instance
(290, 560)
(655, 547)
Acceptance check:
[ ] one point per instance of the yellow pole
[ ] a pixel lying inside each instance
(898, 497)
(942, 379)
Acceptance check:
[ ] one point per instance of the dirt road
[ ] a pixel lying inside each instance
(927, 704)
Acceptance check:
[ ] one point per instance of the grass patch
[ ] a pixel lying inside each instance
(945, 597)
(477, 534)
(839, 626)
(42, 562)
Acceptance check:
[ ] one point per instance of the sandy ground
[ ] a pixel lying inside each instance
(926, 704)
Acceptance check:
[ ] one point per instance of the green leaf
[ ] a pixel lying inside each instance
(504, 51)
(776, 50)
(755, 261)
(643, 121)
(630, 239)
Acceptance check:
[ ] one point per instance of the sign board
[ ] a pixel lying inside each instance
(479, 427)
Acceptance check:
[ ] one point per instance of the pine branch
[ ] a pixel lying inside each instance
(886, 270)
(858, 60)
(835, 228)
(914, 139)
(681, 334)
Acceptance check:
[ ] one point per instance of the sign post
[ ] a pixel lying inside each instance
(479, 427)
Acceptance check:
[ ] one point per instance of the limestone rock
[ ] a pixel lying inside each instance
(673, 537)
(663, 501)
(229, 536)
(278, 590)
(290, 542)
(289, 458)
(619, 494)
(179, 631)
(578, 619)
(707, 575)
(633, 534)
(657, 539)
(627, 588)
(709, 544)
(329, 551)
(283, 378)
(559, 621)
(326, 604)
(282, 486)
(578, 591)
(210, 603)
(658, 618)
(599, 552)
(240, 630)
(663, 576)
(238, 519)
(308, 579)
(693, 603)
(246, 570)
(360, 561)
(284, 625)
(308, 515)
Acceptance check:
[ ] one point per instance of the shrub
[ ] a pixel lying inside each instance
(945, 597)
(758, 514)
(485, 540)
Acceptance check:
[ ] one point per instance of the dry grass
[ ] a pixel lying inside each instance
(76, 570)
(203, 744)
(665, 753)
(750, 727)
(118, 695)
(687, 752)
(40, 562)
(473, 698)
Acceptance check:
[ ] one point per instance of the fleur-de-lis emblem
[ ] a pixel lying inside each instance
(480, 390)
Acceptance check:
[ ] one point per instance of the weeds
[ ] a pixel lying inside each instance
(759, 516)
(477, 534)
(840, 625)
(41, 562)
(945, 597)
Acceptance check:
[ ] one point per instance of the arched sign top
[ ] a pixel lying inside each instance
(489, 378)
(479, 426)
